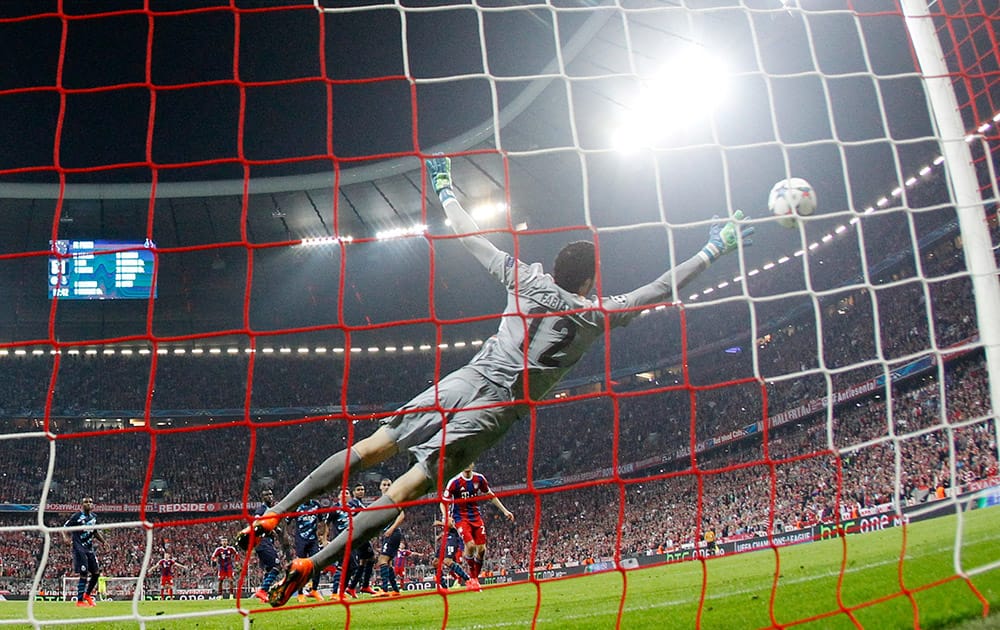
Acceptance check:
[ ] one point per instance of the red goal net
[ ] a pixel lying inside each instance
(223, 262)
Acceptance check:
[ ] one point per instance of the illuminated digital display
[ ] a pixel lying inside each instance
(101, 270)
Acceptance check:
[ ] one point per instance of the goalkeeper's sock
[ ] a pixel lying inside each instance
(323, 478)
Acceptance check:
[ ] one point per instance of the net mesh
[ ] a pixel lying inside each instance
(827, 381)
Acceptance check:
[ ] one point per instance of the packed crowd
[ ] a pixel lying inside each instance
(931, 436)
(737, 491)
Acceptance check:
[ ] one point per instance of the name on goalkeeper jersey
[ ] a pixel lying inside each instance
(553, 302)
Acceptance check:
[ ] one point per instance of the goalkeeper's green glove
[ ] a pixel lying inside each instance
(439, 169)
(722, 238)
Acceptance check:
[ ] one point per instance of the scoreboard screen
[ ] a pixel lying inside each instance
(101, 270)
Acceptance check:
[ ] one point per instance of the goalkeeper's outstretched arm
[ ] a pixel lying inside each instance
(461, 222)
(722, 239)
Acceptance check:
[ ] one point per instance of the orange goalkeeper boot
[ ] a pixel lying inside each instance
(263, 525)
(298, 573)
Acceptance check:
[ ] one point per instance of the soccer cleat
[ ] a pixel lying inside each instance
(82, 603)
(261, 594)
(472, 584)
(263, 525)
(301, 597)
(368, 590)
(394, 594)
(351, 592)
(87, 597)
(381, 594)
(298, 573)
(315, 594)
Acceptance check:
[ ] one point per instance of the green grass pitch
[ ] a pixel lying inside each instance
(839, 583)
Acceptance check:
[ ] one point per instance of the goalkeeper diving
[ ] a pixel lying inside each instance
(548, 324)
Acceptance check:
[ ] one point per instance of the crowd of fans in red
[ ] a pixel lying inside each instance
(933, 437)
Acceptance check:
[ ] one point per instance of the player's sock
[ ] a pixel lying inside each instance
(385, 573)
(367, 524)
(480, 560)
(366, 575)
(269, 579)
(81, 587)
(473, 567)
(323, 478)
(458, 571)
(92, 584)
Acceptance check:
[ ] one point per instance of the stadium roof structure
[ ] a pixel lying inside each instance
(529, 95)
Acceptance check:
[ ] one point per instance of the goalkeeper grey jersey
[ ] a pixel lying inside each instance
(545, 328)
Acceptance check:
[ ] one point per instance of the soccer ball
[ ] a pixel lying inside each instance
(790, 198)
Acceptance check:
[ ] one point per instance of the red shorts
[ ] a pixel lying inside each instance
(472, 533)
(226, 574)
(166, 580)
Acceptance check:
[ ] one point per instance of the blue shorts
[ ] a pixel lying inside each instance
(454, 546)
(306, 548)
(85, 561)
(363, 551)
(390, 544)
(267, 555)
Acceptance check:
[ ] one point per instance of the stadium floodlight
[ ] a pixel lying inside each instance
(486, 211)
(687, 88)
(413, 230)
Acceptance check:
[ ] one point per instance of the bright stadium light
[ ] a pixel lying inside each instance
(413, 230)
(686, 89)
(488, 210)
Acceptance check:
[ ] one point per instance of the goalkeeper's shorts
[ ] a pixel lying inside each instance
(477, 413)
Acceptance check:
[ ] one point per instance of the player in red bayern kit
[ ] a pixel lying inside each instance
(224, 558)
(166, 566)
(462, 497)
